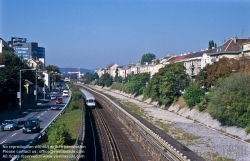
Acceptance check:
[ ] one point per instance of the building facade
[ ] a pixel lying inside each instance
(27, 50)
(4, 46)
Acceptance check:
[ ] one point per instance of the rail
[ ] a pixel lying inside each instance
(162, 146)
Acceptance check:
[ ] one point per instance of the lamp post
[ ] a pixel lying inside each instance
(20, 88)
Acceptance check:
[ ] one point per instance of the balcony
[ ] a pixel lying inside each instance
(192, 67)
(213, 60)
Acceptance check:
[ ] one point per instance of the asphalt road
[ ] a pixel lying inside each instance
(41, 110)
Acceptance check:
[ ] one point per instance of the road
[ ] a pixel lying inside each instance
(40, 110)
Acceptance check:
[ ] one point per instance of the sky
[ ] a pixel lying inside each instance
(92, 34)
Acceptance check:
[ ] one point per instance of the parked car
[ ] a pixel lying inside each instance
(9, 125)
(32, 124)
(59, 100)
(55, 107)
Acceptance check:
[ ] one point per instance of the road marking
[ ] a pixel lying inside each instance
(2, 142)
(13, 134)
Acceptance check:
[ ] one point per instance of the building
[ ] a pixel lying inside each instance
(27, 50)
(232, 48)
(4, 46)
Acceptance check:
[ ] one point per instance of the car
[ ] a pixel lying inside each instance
(32, 124)
(9, 125)
(65, 93)
(55, 107)
(53, 97)
(59, 100)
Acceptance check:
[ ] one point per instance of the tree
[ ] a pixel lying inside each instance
(223, 68)
(167, 84)
(104, 78)
(109, 82)
(147, 57)
(90, 77)
(230, 99)
(193, 94)
(116, 74)
(10, 77)
(53, 68)
(211, 44)
(201, 78)
(119, 79)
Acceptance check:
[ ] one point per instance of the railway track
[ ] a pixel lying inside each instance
(116, 143)
(155, 144)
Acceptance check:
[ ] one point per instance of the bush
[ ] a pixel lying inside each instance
(230, 99)
(76, 95)
(73, 106)
(193, 95)
(58, 135)
(248, 129)
(203, 103)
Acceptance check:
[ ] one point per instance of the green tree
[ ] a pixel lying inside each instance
(138, 82)
(167, 84)
(211, 44)
(193, 95)
(119, 79)
(10, 78)
(53, 68)
(147, 57)
(91, 77)
(109, 82)
(104, 78)
(230, 99)
(116, 74)
(201, 78)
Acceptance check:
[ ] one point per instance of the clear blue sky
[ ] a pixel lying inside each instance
(92, 34)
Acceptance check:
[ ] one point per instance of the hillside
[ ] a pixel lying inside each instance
(82, 70)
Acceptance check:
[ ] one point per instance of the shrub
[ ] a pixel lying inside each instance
(203, 103)
(73, 106)
(59, 135)
(230, 99)
(193, 95)
(248, 129)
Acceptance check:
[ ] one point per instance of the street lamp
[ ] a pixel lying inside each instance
(20, 88)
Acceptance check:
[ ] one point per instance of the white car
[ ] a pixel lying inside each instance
(53, 97)
(65, 93)
(55, 107)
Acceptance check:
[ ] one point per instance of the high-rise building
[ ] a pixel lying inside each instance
(27, 50)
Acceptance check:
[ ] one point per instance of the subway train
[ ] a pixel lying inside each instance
(89, 98)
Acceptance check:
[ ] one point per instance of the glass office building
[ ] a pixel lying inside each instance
(27, 50)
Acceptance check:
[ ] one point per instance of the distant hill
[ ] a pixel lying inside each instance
(82, 70)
